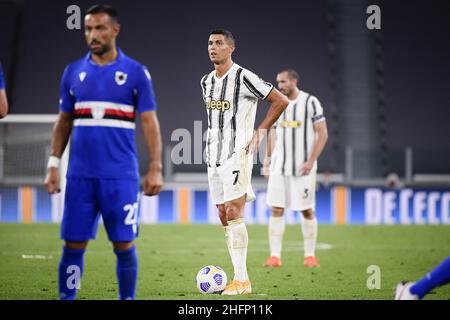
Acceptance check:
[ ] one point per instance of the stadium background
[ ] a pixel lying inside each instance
(385, 94)
(386, 98)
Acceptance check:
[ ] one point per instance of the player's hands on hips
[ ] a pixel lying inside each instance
(306, 168)
(153, 181)
(52, 180)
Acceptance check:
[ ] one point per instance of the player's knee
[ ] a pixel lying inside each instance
(277, 212)
(76, 245)
(123, 245)
(222, 211)
(233, 211)
(222, 214)
(308, 214)
(234, 208)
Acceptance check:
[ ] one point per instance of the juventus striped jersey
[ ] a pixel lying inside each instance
(295, 135)
(103, 101)
(231, 103)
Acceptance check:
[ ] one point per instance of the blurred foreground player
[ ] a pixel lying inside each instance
(231, 94)
(296, 144)
(3, 99)
(439, 276)
(100, 95)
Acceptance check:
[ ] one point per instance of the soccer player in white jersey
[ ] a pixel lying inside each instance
(291, 162)
(231, 93)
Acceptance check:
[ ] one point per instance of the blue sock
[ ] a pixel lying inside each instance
(127, 268)
(70, 272)
(439, 276)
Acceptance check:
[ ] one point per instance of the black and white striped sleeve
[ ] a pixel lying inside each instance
(255, 86)
(203, 85)
(315, 110)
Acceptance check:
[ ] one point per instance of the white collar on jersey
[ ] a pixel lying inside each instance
(300, 93)
(233, 66)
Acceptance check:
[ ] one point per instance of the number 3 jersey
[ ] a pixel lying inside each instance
(103, 101)
(295, 135)
(231, 103)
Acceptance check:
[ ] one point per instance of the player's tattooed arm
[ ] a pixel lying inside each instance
(61, 134)
(279, 103)
(153, 180)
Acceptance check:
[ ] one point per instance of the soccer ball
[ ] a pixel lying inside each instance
(211, 279)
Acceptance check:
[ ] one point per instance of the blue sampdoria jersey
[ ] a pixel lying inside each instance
(103, 101)
(2, 78)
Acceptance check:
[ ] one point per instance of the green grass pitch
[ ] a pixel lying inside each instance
(171, 255)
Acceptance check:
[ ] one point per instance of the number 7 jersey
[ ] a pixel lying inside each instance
(231, 103)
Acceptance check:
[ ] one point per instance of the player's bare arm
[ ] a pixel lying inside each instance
(61, 135)
(321, 131)
(3, 104)
(279, 103)
(271, 140)
(153, 180)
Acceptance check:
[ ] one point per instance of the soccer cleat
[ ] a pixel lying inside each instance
(311, 262)
(273, 261)
(402, 291)
(238, 287)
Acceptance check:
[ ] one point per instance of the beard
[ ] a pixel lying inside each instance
(100, 50)
(286, 92)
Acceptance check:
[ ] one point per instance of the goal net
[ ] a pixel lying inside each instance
(25, 146)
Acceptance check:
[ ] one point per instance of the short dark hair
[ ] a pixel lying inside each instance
(103, 8)
(227, 34)
(292, 74)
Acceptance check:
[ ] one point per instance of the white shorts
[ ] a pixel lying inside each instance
(295, 193)
(232, 179)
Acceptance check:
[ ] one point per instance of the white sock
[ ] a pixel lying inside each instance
(276, 232)
(309, 230)
(227, 230)
(239, 243)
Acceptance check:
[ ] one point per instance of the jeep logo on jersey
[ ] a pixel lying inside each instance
(290, 124)
(98, 112)
(121, 78)
(82, 75)
(221, 105)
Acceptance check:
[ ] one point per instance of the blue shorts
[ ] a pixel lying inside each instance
(116, 200)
